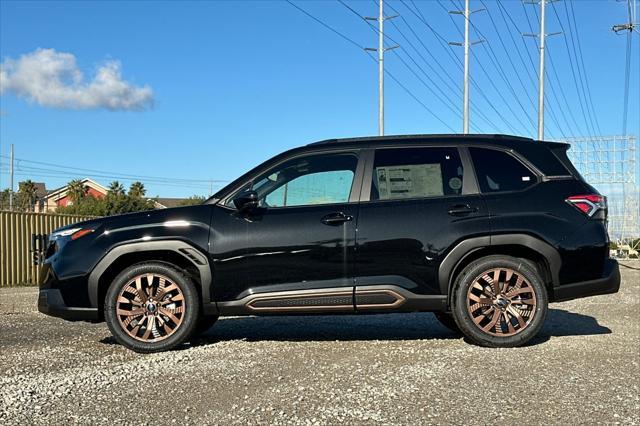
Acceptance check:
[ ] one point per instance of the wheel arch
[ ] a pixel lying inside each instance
(176, 253)
(545, 257)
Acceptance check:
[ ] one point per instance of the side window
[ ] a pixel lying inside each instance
(499, 171)
(318, 179)
(416, 173)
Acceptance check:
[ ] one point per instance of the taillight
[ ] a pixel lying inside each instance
(588, 204)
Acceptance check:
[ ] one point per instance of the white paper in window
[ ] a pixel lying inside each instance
(409, 181)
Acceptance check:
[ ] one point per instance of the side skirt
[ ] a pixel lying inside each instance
(339, 300)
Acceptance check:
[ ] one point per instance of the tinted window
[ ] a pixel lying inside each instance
(319, 179)
(499, 171)
(416, 173)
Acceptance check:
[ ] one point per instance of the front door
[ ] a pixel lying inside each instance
(299, 241)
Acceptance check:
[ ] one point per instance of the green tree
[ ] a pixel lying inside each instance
(116, 188)
(76, 190)
(4, 199)
(193, 200)
(27, 195)
(116, 201)
(137, 190)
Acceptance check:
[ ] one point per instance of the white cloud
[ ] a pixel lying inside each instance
(53, 79)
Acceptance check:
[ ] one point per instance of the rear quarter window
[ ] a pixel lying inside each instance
(499, 171)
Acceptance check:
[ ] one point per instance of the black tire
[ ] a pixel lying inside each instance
(528, 304)
(188, 315)
(447, 320)
(204, 324)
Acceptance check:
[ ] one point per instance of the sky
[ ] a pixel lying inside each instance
(188, 95)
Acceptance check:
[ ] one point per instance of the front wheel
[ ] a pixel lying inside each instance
(500, 301)
(151, 307)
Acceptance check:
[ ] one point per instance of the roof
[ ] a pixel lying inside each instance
(62, 191)
(169, 202)
(421, 138)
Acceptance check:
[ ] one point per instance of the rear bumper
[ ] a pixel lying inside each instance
(50, 302)
(607, 284)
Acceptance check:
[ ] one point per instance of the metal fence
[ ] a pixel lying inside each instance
(16, 258)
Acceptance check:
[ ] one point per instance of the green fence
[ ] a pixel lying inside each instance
(16, 259)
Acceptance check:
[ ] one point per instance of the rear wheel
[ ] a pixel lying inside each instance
(500, 301)
(151, 307)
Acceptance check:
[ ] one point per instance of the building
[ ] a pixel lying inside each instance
(60, 197)
(166, 203)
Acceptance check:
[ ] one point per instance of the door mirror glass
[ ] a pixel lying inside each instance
(247, 200)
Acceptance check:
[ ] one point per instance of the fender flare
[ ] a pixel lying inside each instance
(466, 247)
(186, 250)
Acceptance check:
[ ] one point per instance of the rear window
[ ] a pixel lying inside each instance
(499, 171)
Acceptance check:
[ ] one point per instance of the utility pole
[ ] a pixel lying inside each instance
(541, 73)
(629, 28)
(11, 180)
(543, 35)
(466, 44)
(381, 49)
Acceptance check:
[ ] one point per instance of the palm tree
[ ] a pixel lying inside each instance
(27, 193)
(137, 190)
(116, 188)
(76, 190)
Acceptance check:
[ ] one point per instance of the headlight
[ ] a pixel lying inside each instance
(75, 233)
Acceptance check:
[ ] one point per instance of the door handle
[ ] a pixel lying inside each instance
(338, 218)
(461, 210)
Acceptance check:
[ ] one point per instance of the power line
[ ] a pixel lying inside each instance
(443, 98)
(490, 79)
(466, 45)
(325, 25)
(58, 170)
(504, 47)
(505, 14)
(595, 116)
(581, 77)
(573, 72)
(443, 42)
(387, 72)
(543, 75)
(439, 63)
(629, 27)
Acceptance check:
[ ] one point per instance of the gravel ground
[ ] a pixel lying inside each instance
(390, 369)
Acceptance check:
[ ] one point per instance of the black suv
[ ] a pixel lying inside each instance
(484, 231)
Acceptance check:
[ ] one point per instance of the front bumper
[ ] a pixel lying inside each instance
(607, 284)
(50, 302)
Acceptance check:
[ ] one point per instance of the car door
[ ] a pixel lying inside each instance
(301, 238)
(416, 203)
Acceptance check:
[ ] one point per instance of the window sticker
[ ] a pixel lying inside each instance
(455, 183)
(409, 181)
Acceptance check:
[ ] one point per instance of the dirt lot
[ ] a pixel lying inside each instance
(391, 369)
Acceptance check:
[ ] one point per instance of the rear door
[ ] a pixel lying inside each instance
(416, 202)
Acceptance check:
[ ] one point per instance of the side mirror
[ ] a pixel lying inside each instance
(248, 200)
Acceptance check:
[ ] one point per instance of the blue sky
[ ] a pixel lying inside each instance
(237, 82)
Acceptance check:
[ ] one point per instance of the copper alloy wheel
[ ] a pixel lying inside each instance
(501, 302)
(150, 307)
